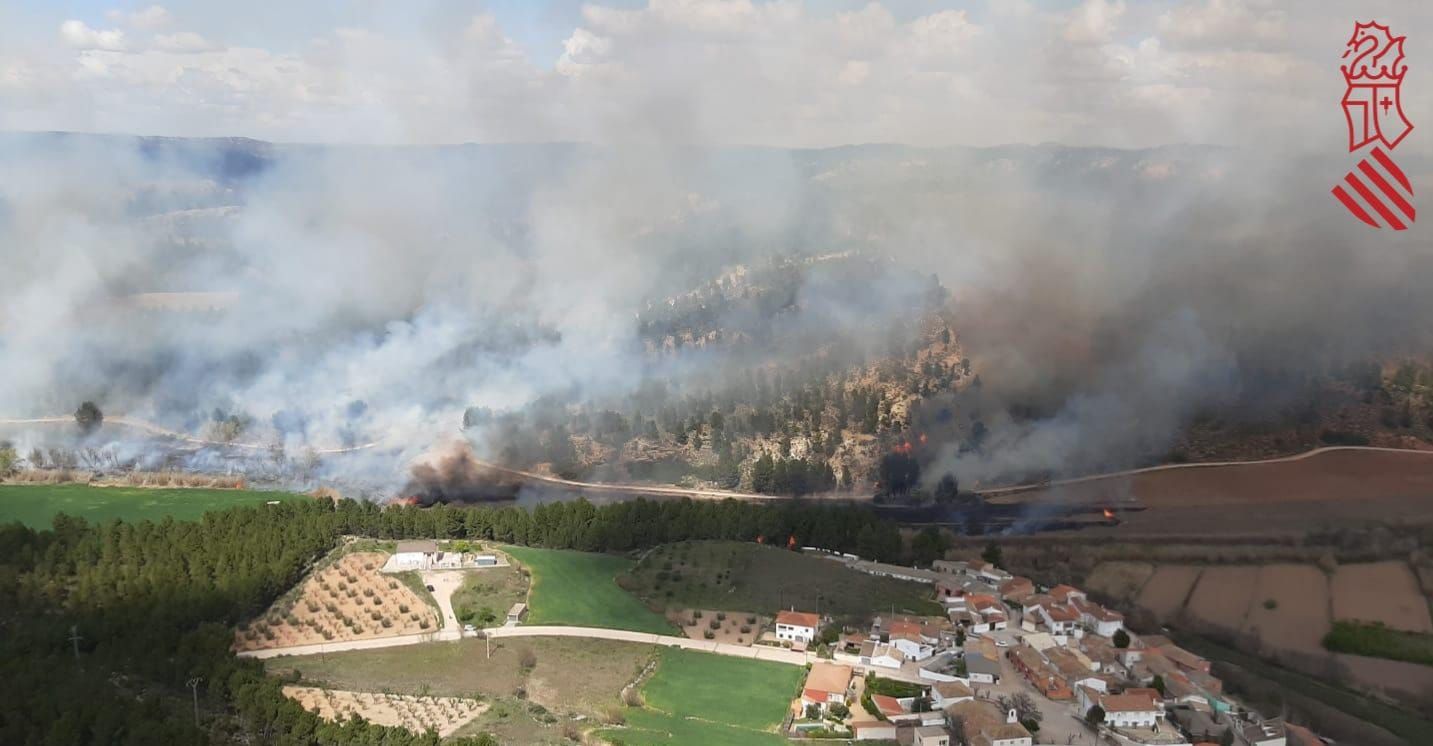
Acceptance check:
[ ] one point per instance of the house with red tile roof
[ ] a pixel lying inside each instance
(826, 684)
(797, 626)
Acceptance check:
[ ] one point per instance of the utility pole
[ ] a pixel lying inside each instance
(194, 687)
(488, 640)
(75, 640)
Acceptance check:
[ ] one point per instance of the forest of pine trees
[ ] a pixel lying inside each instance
(153, 605)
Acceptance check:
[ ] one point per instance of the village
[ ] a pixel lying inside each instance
(1011, 664)
(995, 660)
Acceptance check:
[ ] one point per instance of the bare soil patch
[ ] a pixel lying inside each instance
(1332, 475)
(1290, 608)
(1165, 591)
(347, 599)
(417, 714)
(1120, 580)
(735, 627)
(1409, 682)
(1222, 596)
(1384, 592)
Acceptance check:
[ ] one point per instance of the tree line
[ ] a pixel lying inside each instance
(105, 625)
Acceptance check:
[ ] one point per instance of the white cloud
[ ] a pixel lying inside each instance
(772, 73)
(151, 18)
(183, 41)
(80, 36)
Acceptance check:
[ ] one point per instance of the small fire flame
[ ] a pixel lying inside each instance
(904, 448)
(409, 500)
(760, 539)
(791, 541)
(923, 439)
(1109, 514)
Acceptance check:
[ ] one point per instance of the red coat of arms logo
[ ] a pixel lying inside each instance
(1378, 192)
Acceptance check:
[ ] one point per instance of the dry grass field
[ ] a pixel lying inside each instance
(348, 599)
(418, 714)
(1120, 580)
(1289, 607)
(1167, 588)
(1384, 592)
(1222, 596)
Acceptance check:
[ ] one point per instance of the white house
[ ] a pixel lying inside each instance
(946, 693)
(1132, 710)
(881, 655)
(931, 735)
(797, 626)
(415, 555)
(1104, 622)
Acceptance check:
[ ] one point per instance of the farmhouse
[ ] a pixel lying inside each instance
(827, 684)
(797, 626)
(415, 555)
(951, 567)
(1136, 708)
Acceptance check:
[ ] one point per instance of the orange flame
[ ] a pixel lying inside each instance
(760, 539)
(791, 541)
(1109, 514)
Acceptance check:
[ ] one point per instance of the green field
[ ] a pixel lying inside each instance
(36, 505)
(580, 589)
(486, 596)
(1378, 641)
(710, 699)
(760, 579)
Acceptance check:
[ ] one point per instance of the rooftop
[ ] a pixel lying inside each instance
(1127, 702)
(828, 677)
(418, 546)
(798, 619)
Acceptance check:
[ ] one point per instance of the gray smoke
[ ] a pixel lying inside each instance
(326, 297)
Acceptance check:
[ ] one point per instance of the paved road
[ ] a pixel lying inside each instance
(758, 652)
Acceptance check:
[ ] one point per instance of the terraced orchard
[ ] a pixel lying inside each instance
(348, 599)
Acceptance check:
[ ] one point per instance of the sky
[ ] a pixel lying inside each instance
(727, 72)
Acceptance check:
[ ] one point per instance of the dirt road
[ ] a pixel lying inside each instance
(757, 652)
(714, 494)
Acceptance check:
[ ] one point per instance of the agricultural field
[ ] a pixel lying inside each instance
(580, 589)
(1222, 596)
(36, 505)
(1290, 607)
(529, 682)
(1119, 580)
(735, 628)
(710, 699)
(754, 578)
(443, 715)
(487, 594)
(345, 599)
(1383, 592)
(1288, 497)
(1165, 591)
